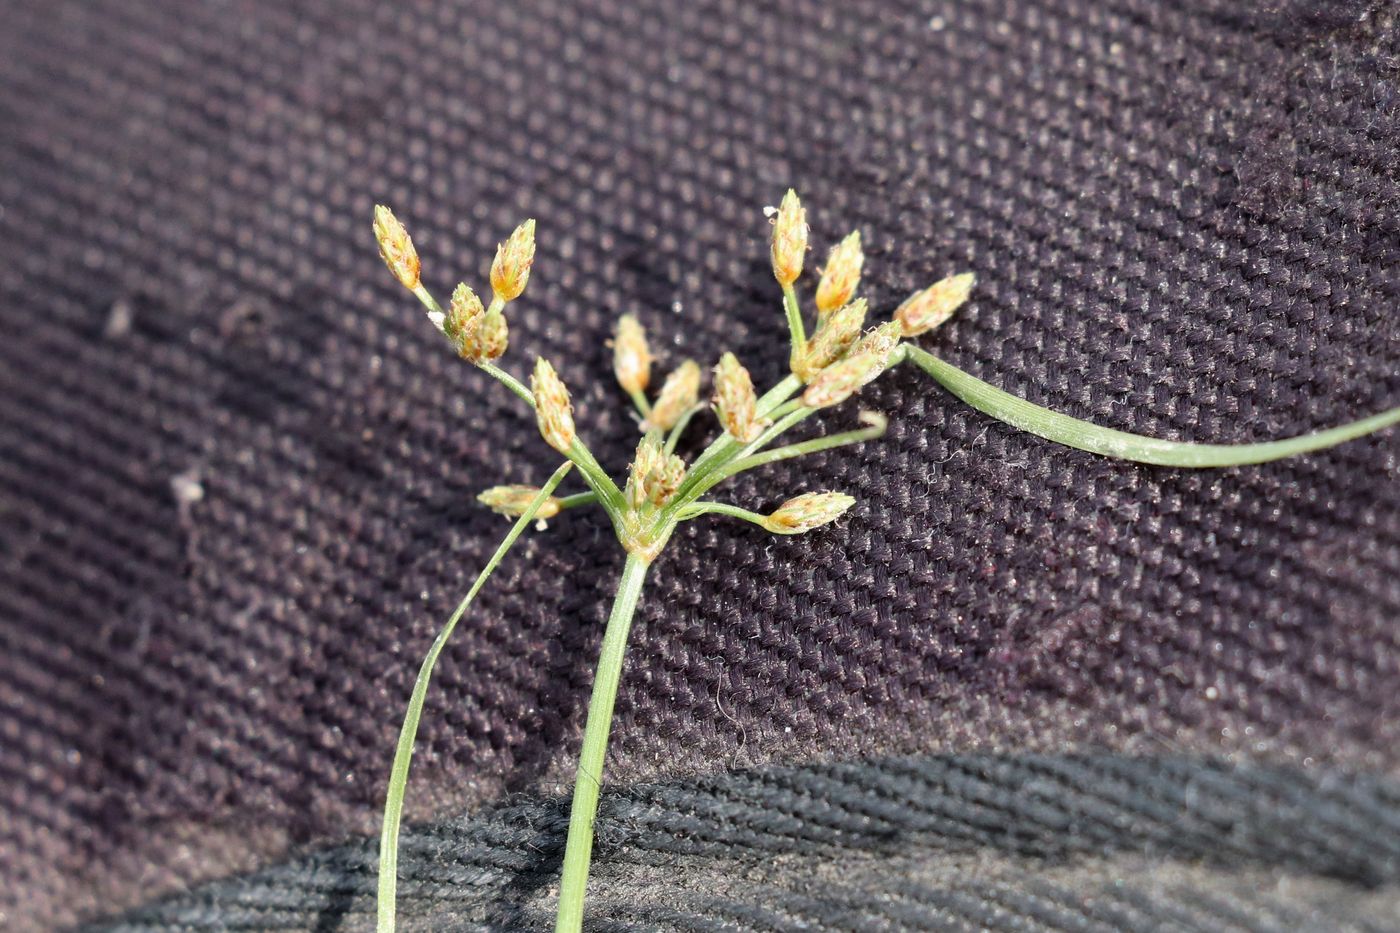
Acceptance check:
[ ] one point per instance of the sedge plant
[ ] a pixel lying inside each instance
(660, 490)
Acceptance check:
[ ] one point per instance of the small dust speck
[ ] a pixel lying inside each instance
(938, 24)
(187, 488)
(118, 320)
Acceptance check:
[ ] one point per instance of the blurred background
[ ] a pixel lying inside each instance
(1020, 687)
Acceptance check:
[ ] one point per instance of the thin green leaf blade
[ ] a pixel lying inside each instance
(408, 733)
(1083, 435)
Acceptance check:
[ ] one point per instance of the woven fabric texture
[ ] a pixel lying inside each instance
(1083, 843)
(237, 465)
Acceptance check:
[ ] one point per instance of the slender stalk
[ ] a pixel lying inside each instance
(509, 381)
(859, 436)
(796, 329)
(639, 399)
(1083, 435)
(403, 753)
(721, 508)
(725, 446)
(578, 851)
(719, 471)
(780, 393)
(674, 437)
(609, 496)
(577, 499)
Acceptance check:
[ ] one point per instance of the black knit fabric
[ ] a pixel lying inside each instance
(949, 843)
(237, 464)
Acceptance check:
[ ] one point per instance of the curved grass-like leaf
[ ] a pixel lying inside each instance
(403, 753)
(1083, 435)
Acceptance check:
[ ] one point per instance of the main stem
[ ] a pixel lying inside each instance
(578, 852)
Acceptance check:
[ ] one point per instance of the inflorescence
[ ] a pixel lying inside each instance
(660, 489)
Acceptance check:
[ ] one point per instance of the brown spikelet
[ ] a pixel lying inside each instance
(789, 239)
(678, 395)
(514, 500)
(835, 335)
(631, 356)
(924, 310)
(866, 360)
(553, 410)
(841, 275)
(395, 247)
(511, 269)
(807, 511)
(463, 321)
(493, 338)
(736, 403)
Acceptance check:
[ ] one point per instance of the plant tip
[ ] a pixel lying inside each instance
(631, 356)
(514, 500)
(866, 360)
(841, 275)
(924, 310)
(736, 403)
(836, 334)
(510, 271)
(396, 248)
(789, 239)
(678, 395)
(808, 511)
(553, 410)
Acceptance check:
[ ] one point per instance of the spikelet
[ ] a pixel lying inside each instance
(808, 511)
(924, 310)
(463, 321)
(395, 247)
(789, 239)
(510, 271)
(841, 275)
(553, 410)
(736, 403)
(514, 500)
(678, 395)
(836, 334)
(654, 476)
(866, 360)
(493, 338)
(631, 356)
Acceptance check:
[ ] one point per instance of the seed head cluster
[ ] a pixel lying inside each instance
(839, 358)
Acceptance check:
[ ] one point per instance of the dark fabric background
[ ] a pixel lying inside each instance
(239, 465)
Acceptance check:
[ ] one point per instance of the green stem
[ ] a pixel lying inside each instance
(1083, 435)
(780, 393)
(422, 294)
(509, 381)
(859, 436)
(643, 406)
(577, 499)
(578, 852)
(674, 437)
(608, 494)
(725, 446)
(795, 326)
(721, 508)
(403, 753)
(718, 472)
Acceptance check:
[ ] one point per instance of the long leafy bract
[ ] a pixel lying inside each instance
(403, 754)
(1083, 435)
